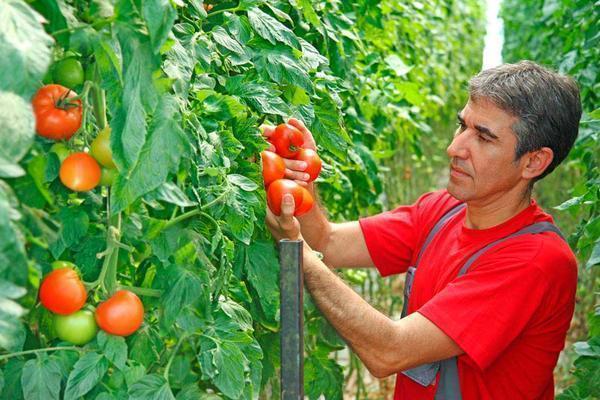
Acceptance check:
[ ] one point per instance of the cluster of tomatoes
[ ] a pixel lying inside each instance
(64, 294)
(58, 116)
(288, 142)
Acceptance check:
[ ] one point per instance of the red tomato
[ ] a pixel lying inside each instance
(56, 116)
(313, 161)
(80, 172)
(120, 315)
(287, 140)
(273, 167)
(302, 198)
(62, 292)
(307, 203)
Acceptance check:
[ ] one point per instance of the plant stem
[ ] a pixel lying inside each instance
(172, 357)
(22, 353)
(195, 212)
(210, 14)
(142, 291)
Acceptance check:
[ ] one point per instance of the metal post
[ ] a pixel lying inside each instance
(292, 323)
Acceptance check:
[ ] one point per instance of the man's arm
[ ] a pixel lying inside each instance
(385, 346)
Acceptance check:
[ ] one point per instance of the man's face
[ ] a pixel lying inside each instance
(482, 165)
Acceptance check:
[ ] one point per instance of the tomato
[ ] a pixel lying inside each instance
(100, 148)
(303, 200)
(77, 328)
(61, 150)
(313, 161)
(287, 140)
(62, 292)
(307, 203)
(207, 7)
(80, 172)
(108, 176)
(68, 72)
(120, 315)
(56, 117)
(273, 167)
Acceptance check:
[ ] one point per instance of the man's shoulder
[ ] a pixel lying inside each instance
(435, 204)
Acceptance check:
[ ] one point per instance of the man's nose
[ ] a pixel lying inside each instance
(458, 148)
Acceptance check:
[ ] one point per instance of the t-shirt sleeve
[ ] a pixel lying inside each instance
(484, 310)
(392, 236)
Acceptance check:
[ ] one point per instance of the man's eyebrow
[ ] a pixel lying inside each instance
(486, 131)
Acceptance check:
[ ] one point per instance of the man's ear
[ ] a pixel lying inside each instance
(536, 162)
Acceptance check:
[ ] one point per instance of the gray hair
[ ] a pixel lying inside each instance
(546, 104)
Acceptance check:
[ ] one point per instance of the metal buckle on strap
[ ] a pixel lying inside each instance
(424, 374)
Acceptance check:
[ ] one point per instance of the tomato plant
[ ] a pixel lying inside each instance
(287, 140)
(273, 167)
(80, 172)
(107, 176)
(68, 72)
(313, 162)
(61, 150)
(100, 148)
(57, 115)
(303, 200)
(62, 292)
(120, 315)
(77, 328)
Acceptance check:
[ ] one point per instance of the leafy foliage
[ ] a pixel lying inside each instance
(184, 93)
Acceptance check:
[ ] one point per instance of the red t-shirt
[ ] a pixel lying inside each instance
(509, 313)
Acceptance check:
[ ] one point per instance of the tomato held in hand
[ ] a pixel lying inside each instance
(313, 162)
(303, 200)
(68, 72)
(100, 148)
(77, 328)
(120, 315)
(273, 167)
(287, 140)
(62, 292)
(80, 172)
(57, 116)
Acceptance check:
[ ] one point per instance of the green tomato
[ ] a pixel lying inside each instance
(108, 176)
(68, 72)
(63, 264)
(100, 148)
(77, 328)
(61, 150)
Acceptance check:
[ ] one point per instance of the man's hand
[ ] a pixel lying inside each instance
(285, 226)
(293, 168)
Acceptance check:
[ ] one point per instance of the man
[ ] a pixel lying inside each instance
(487, 328)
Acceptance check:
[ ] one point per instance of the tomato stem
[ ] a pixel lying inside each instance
(195, 212)
(34, 351)
(213, 13)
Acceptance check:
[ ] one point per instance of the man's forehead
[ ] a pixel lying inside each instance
(484, 111)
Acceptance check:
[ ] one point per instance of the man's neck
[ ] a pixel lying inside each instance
(484, 214)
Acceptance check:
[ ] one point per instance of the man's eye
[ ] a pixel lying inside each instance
(483, 138)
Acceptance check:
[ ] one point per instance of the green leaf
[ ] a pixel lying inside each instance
(86, 374)
(160, 16)
(160, 155)
(397, 65)
(327, 130)
(309, 13)
(323, 376)
(223, 38)
(41, 379)
(13, 371)
(13, 263)
(18, 130)
(242, 182)
(282, 67)
(594, 257)
(74, 226)
(270, 29)
(12, 332)
(263, 96)
(25, 47)
(151, 387)
(171, 193)
(114, 348)
(263, 276)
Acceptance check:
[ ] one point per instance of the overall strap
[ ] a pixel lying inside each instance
(436, 228)
(410, 273)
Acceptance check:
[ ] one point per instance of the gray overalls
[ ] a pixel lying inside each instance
(449, 385)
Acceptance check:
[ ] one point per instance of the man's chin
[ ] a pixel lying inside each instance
(457, 192)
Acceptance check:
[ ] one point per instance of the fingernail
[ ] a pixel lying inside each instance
(303, 165)
(287, 198)
(306, 177)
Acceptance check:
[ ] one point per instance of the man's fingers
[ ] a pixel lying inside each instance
(267, 130)
(286, 219)
(295, 164)
(309, 141)
(296, 175)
